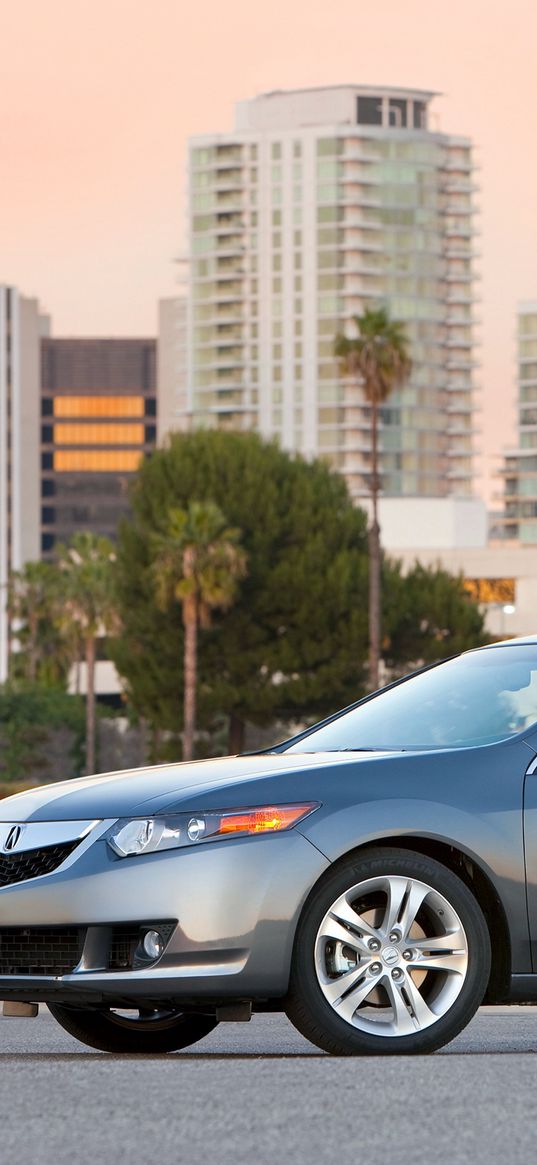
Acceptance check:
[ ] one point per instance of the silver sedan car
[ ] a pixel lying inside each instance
(375, 877)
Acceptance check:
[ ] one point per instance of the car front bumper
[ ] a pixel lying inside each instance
(235, 903)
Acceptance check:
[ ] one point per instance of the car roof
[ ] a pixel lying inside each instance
(522, 641)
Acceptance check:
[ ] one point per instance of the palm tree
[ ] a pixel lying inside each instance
(33, 606)
(378, 356)
(89, 609)
(198, 562)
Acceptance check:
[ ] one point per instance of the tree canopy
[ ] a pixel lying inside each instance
(31, 717)
(426, 616)
(296, 636)
(294, 644)
(44, 654)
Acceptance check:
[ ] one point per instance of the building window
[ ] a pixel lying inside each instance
(326, 147)
(369, 111)
(420, 110)
(397, 112)
(276, 150)
(65, 434)
(99, 406)
(96, 460)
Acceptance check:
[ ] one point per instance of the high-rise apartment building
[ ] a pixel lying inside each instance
(322, 202)
(21, 326)
(519, 520)
(98, 420)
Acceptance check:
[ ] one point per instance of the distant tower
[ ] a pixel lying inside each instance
(21, 326)
(320, 203)
(519, 521)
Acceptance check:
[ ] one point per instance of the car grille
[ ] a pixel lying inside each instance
(34, 862)
(40, 950)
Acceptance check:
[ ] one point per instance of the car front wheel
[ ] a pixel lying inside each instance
(392, 955)
(145, 1031)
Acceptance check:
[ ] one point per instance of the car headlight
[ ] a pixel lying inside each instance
(144, 835)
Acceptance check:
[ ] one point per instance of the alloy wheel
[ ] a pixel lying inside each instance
(391, 956)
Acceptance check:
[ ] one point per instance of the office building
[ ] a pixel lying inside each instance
(519, 519)
(320, 203)
(98, 420)
(21, 326)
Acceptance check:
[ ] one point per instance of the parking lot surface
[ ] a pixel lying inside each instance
(259, 1093)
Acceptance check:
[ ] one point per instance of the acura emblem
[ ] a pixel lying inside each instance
(12, 837)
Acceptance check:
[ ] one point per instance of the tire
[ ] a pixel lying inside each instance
(392, 955)
(152, 1033)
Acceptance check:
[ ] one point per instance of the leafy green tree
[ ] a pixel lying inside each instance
(30, 715)
(197, 563)
(34, 604)
(378, 356)
(427, 615)
(89, 609)
(296, 639)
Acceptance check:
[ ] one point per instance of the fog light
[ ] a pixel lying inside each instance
(153, 944)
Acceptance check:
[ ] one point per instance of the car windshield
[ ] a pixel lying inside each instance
(478, 698)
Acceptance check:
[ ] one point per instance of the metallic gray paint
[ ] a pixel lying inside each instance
(238, 901)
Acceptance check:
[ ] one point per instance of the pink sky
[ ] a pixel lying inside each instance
(99, 96)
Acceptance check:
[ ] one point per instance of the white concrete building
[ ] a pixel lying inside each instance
(319, 203)
(21, 326)
(452, 533)
(519, 519)
(172, 412)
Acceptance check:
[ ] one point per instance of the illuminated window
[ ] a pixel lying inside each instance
(97, 460)
(490, 590)
(109, 434)
(99, 406)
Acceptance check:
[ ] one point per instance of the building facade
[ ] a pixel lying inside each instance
(22, 325)
(320, 203)
(519, 519)
(98, 420)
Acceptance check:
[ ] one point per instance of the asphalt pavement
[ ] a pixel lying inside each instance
(258, 1093)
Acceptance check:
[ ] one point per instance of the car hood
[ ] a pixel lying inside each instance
(136, 792)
